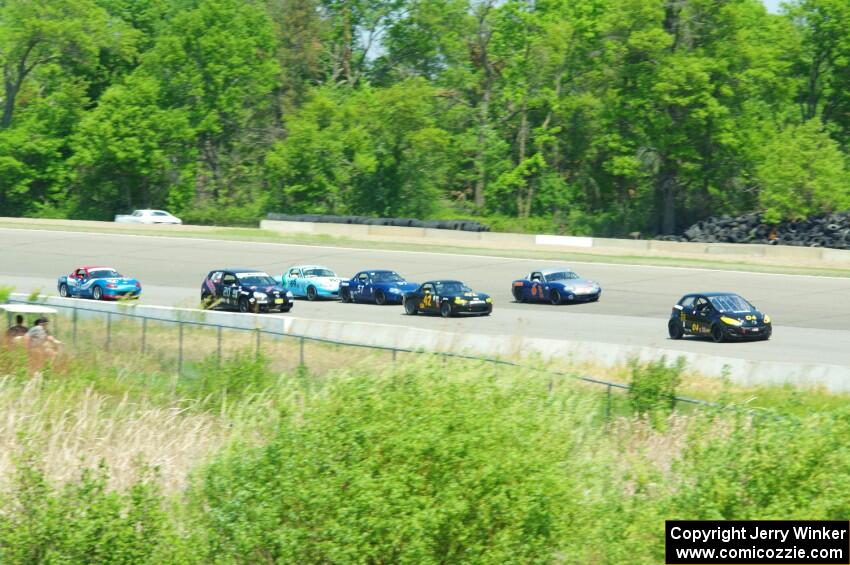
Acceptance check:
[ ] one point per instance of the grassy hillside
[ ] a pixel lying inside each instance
(108, 459)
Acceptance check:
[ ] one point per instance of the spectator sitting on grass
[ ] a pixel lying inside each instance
(18, 330)
(38, 336)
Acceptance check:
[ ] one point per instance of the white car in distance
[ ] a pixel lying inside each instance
(148, 217)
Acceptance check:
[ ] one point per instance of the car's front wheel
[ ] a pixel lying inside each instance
(445, 309)
(410, 307)
(717, 334)
(555, 297)
(345, 294)
(243, 305)
(380, 298)
(97, 293)
(675, 330)
(311, 293)
(517, 292)
(63, 290)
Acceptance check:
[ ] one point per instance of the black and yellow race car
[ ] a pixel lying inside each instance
(718, 315)
(448, 298)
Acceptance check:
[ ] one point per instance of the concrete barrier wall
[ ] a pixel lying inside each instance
(768, 254)
(745, 372)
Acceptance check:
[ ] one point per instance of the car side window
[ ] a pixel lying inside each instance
(81, 273)
(216, 277)
(687, 302)
(702, 306)
(229, 278)
(137, 213)
(363, 277)
(428, 288)
(536, 277)
(295, 273)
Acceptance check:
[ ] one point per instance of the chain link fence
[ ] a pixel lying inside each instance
(188, 347)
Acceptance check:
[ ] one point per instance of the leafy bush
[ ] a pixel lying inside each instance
(82, 522)
(653, 386)
(415, 468)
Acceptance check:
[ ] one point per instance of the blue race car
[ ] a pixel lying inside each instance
(556, 286)
(379, 286)
(100, 283)
(311, 282)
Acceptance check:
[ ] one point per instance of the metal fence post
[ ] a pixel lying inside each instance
(608, 405)
(301, 352)
(218, 348)
(257, 345)
(74, 333)
(144, 334)
(394, 353)
(180, 350)
(108, 329)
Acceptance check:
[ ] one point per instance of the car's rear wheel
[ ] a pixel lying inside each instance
(311, 293)
(243, 305)
(675, 330)
(345, 294)
(555, 297)
(445, 309)
(380, 298)
(63, 290)
(410, 307)
(517, 292)
(97, 293)
(717, 334)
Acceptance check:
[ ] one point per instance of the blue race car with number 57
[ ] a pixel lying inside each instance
(555, 286)
(100, 283)
(378, 286)
(311, 282)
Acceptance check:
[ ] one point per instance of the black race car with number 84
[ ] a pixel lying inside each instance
(247, 290)
(448, 298)
(719, 315)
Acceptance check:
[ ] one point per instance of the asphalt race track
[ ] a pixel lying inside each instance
(811, 315)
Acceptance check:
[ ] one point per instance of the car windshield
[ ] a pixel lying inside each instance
(562, 276)
(386, 277)
(731, 303)
(452, 288)
(104, 274)
(318, 273)
(255, 279)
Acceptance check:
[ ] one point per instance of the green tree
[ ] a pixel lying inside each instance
(367, 151)
(803, 173)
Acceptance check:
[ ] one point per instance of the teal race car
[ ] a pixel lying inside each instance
(311, 282)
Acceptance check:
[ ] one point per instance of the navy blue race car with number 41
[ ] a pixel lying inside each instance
(718, 315)
(447, 298)
(378, 286)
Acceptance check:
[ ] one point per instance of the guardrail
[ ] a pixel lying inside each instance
(106, 322)
(767, 254)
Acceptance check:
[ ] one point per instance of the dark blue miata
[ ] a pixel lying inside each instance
(377, 286)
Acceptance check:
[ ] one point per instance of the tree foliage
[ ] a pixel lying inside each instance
(591, 116)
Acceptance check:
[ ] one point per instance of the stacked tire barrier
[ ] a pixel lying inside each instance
(831, 230)
(462, 225)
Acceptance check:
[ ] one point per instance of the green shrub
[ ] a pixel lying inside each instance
(414, 468)
(653, 386)
(82, 522)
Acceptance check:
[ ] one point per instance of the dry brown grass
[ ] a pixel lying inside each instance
(71, 431)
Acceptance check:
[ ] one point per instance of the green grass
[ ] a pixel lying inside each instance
(267, 236)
